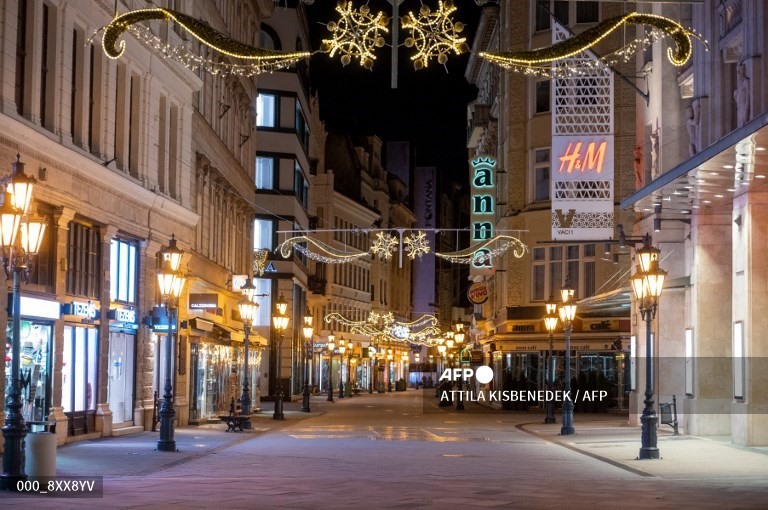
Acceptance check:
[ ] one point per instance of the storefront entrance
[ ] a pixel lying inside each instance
(79, 382)
(121, 370)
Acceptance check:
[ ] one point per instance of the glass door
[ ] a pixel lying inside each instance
(121, 373)
(79, 378)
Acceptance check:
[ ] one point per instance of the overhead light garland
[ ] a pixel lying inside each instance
(258, 60)
(384, 327)
(356, 34)
(327, 254)
(540, 62)
(481, 252)
(434, 34)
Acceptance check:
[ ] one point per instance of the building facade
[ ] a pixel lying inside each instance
(511, 130)
(128, 153)
(701, 162)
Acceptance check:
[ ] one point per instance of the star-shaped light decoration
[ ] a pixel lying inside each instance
(384, 245)
(434, 34)
(356, 34)
(416, 244)
(260, 261)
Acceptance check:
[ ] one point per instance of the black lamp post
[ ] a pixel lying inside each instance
(350, 346)
(458, 337)
(550, 323)
(170, 281)
(567, 314)
(280, 321)
(21, 237)
(248, 311)
(331, 346)
(647, 284)
(372, 354)
(342, 350)
(308, 331)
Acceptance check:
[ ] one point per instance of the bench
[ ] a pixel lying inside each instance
(235, 421)
(669, 414)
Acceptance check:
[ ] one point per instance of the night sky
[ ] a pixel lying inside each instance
(429, 106)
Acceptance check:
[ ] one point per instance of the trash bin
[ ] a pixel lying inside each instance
(40, 450)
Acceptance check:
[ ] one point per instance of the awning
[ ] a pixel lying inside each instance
(616, 303)
(711, 178)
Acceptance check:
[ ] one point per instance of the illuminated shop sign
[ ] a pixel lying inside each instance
(483, 184)
(589, 160)
(204, 301)
(85, 310)
(125, 317)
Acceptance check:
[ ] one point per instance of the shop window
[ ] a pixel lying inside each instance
(78, 374)
(122, 271)
(83, 261)
(35, 367)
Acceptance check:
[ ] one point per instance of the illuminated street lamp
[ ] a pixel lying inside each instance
(567, 311)
(20, 239)
(458, 336)
(248, 310)
(331, 346)
(280, 321)
(647, 284)
(372, 354)
(170, 283)
(550, 323)
(308, 332)
(350, 348)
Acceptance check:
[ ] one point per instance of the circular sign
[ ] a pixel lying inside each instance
(478, 293)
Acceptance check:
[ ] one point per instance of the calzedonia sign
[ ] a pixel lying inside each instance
(483, 184)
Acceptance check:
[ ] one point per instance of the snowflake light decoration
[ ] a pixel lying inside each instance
(434, 34)
(356, 34)
(416, 244)
(260, 261)
(384, 246)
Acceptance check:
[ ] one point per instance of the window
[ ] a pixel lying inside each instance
(302, 129)
(552, 265)
(265, 172)
(268, 38)
(264, 291)
(542, 96)
(83, 255)
(541, 15)
(541, 175)
(263, 234)
(266, 110)
(586, 12)
(300, 185)
(560, 10)
(122, 271)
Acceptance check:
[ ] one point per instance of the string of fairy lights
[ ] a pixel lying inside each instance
(358, 32)
(386, 243)
(384, 327)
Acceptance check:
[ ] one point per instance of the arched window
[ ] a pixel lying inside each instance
(268, 38)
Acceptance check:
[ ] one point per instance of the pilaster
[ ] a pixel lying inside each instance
(103, 422)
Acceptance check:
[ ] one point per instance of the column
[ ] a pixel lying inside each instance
(62, 217)
(103, 421)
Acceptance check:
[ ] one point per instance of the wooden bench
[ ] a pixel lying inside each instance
(234, 421)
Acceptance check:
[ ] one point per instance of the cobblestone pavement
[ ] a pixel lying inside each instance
(399, 450)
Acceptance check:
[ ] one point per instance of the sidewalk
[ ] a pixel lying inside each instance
(681, 457)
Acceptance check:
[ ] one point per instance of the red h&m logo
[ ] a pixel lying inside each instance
(591, 161)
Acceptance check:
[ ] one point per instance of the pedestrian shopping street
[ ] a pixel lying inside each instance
(400, 450)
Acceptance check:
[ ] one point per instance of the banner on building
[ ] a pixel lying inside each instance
(582, 164)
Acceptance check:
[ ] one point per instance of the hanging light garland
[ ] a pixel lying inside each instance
(384, 327)
(540, 62)
(258, 60)
(481, 252)
(326, 253)
(356, 34)
(434, 34)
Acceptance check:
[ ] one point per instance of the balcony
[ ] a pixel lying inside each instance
(479, 118)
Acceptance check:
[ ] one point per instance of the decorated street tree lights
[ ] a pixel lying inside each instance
(331, 346)
(308, 332)
(647, 284)
(170, 284)
(21, 237)
(248, 311)
(567, 312)
(550, 323)
(280, 321)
